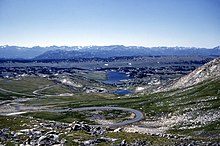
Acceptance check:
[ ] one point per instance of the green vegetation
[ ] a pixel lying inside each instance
(152, 105)
(115, 115)
(5, 96)
(79, 135)
(95, 75)
(10, 96)
(55, 90)
(25, 84)
(13, 122)
(67, 117)
(131, 137)
(200, 98)
(76, 99)
(208, 132)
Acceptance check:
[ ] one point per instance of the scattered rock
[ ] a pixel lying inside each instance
(118, 130)
(95, 141)
(48, 134)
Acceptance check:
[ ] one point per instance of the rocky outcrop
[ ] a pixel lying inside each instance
(209, 71)
(75, 126)
(52, 133)
(49, 133)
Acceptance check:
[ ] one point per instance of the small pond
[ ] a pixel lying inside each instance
(123, 92)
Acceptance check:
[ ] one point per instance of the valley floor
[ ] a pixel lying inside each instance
(184, 116)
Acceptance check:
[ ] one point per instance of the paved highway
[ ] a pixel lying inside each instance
(138, 115)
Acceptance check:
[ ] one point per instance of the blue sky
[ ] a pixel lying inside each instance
(110, 22)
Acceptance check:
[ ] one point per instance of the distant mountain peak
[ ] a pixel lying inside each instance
(12, 52)
(217, 47)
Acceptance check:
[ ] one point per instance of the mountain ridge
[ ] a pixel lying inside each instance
(72, 52)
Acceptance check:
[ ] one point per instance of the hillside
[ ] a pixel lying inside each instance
(185, 116)
(209, 71)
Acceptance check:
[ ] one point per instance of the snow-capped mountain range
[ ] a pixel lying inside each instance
(75, 52)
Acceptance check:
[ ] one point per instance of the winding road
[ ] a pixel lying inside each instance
(138, 115)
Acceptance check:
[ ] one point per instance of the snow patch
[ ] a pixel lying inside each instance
(138, 89)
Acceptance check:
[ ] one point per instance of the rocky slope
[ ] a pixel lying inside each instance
(209, 71)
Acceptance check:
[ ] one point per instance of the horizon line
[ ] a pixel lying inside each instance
(107, 46)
